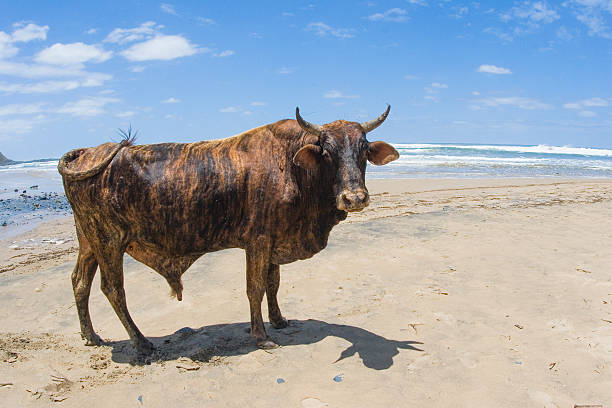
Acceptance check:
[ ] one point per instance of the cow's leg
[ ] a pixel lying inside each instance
(111, 276)
(257, 259)
(272, 284)
(82, 277)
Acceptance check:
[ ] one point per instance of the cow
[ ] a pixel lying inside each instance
(275, 191)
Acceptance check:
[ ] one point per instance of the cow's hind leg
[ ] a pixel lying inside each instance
(111, 276)
(82, 277)
(272, 285)
(257, 259)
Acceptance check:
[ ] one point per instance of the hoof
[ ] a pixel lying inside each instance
(267, 344)
(280, 324)
(93, 340)
(144, 349)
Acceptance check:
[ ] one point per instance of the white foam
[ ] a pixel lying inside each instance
(583, 151)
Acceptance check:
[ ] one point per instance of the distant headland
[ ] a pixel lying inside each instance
(4, 160)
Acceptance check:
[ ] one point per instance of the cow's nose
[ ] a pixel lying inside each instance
(355, 200)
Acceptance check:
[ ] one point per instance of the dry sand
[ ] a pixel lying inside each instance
(443, 293)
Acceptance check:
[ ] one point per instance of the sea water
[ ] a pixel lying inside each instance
(415, 161)
(474, 161)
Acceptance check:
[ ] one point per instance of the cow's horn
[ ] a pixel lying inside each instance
(307, 126)
(373, 124)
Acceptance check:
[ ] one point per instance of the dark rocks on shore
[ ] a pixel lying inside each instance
(32, 206)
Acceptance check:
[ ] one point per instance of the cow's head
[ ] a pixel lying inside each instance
(341, 149)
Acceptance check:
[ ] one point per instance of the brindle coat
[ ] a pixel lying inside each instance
(275, 191)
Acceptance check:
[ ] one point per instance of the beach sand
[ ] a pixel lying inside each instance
(443, 293)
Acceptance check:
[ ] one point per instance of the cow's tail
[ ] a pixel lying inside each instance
(76, 175)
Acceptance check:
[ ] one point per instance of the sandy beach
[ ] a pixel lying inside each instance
(442, 293)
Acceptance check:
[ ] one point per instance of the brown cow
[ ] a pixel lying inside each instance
(275, 191)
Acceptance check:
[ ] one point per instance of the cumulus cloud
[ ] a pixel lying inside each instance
(229, 109)
(334, 94)
(284, 71)
(72, 54)
(91, 106)
(171, 100)
(438, 85)
(50, 86)
(22, 33)
(126, 114)
(28, 32)
(323, 30)
(492, 69)
(587, 114)
(396, 15)
(161, 47)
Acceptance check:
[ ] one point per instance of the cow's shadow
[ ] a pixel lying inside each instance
(210, 343)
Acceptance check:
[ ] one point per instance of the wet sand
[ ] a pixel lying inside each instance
(493, 292)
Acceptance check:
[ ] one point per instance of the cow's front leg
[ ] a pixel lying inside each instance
(257, 259)
(272, 284)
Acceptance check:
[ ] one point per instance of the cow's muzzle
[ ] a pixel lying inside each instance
(355, 200)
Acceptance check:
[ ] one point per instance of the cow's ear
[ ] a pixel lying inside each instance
(308, 157)
(381, 153)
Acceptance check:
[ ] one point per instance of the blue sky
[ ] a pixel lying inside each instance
(524, 72)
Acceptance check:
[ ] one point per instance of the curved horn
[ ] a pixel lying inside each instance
(307, 126)
(373, 124)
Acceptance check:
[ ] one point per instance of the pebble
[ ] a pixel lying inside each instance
(339, 378)
(280, 381)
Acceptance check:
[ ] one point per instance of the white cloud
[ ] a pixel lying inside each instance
(22, 33)
(171, 100)
(334, 94)
(51, 86)
(11, 127)
(161, 47)
(7, 49)
(168, 8)
(418, 2)
(476, 93)
(137, 68)
(492, 69)
(124, 35)
(91, 106)
(205, 21)
(126, 114)
(222, 54)
(438, 85)
(411, 77)
(229, 109)
(322, 30)
(21, 109)
(587, 114)
(284, 71)
(28, 32)
(587, 103)
(534, 11)
(396, 15)
(590, 13)
(258, 103)
(72, 54)
(91, 31)
(514, 101)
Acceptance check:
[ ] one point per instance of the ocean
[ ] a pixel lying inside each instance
(33, 191)
(416, 161)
